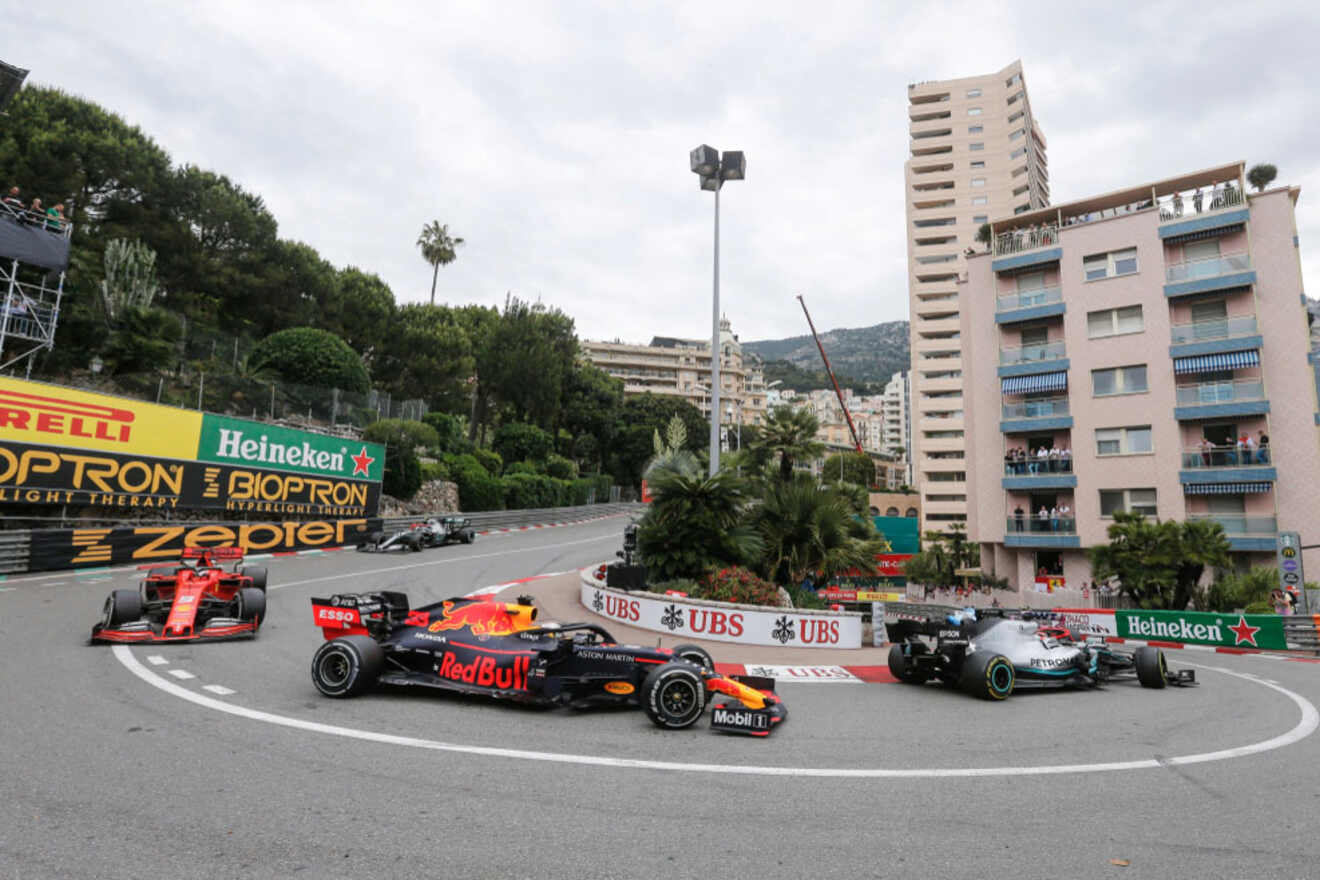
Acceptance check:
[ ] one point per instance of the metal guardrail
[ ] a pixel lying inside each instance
(499, 519)
(1301, 631)
(15, 548)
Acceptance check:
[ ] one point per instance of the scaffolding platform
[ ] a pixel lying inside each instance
(34, 256)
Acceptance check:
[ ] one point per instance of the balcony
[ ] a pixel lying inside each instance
(1250, 533)
(1040, 414)
(1225, 272)
(1226, 470)
(1207, 400)
(1032, 474)
(1044, 358)
(1214, 337)
(1032, 531)
(1028, 305)
(1198, 214)
(1028, 246)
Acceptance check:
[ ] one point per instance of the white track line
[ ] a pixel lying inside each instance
(1310, 720)
(217, 689)
(156, 660)
(181, 674)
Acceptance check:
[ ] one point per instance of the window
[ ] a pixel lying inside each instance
(1132, 500)
(1119, 380)
(981, 218)
(975, 129)
(978, 181)
(1201, 250)
(1015, 117)
(1112, 264)
(976, 146)
(1020, 151)
(979, 200)
(973, 111)
(1035, 336)
(1112, 322)
(978, 165)
(973, 93)
(1123, 441)
(1017, 133)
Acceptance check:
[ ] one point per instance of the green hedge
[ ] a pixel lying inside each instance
(477, 489)
(434, 470)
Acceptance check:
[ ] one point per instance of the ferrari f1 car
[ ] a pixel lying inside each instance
(435, 532)
(480, 646)
(196, 600)
(992, 656)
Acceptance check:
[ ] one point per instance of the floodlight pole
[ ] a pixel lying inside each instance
(715, 351)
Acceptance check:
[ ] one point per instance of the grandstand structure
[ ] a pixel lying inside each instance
(34, 255)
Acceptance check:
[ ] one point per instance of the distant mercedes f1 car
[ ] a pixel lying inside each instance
(993, 656)
(435, 532)
(481, 646)
(196, 600)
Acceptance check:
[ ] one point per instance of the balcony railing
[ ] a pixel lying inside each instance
(1219, 328)
(1025, 299)
(1238, 524)
(1034, 525)
(1210, 267)
(1224, 457)
(1046, 351)
(1033, 466)
(1017, 240)
(1037, 409)
(1201, 201)
(1220, 392)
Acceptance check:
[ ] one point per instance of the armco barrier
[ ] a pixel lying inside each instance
(14, 550)
(512, 519)
(685, 618)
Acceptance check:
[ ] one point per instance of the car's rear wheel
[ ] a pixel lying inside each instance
(695, 654)
(257, 573)
(674, 696)
(469, 536)
(987, 675)
(347, 666)
(904, 666)
(251, 604)
(122, 606)
(1152, 670)
(414, 543)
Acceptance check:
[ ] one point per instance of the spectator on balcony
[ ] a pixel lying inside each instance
(1196, 200)
(1249, 444)
(1240, 453)
(1042, 460)
(1177, 204)
(1054, 519)
(1043, 518)
(1065, 460)
(36, 213)
(1019, 518)
(1207, 451)
(1263, 449)
(14, 202)
(1065, 517)
(1217, 197)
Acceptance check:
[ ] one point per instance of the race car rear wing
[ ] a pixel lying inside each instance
(215, 553)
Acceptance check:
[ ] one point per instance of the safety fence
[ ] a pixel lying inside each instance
(143, 542)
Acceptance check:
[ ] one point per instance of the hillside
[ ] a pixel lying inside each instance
(861, 356)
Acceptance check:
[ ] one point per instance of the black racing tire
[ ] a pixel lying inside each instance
(122, 606)
(674, 696)
(347, 666)
(695, 654)
(413, 543)
(469, 536)
(988, 675)
(905, 670)
(1152, 670)
(252, 604)
(257, 573)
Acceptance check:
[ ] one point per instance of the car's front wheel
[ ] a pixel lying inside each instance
(988, 675)
(257, 573)
(1152, 671)
(122, 606)
(903, 664)
(252, 604)
(347, 666)
(674, 695)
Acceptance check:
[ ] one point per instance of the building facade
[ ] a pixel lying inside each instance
(976, 152)
(1155, 337)
(681, 368)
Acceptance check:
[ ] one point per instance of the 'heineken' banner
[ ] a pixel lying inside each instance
(225, 440)
(1202, 628)
(53, 549)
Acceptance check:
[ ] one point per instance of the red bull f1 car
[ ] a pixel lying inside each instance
(196, 600)
(992, 656)
(480, 646)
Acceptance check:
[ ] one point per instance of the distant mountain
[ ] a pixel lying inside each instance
(862, 357)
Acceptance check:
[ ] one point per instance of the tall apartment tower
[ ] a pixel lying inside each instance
(976, 153)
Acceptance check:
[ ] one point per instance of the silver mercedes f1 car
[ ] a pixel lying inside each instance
(991, 656)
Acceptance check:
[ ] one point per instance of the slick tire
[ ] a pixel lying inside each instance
(988, 676)
(674, 696)
(469, 537)
(903, 668)
(122, 606)
(1152, 670)
(347, 666)
(258, 575)
(414, 543)
(252, 604)
(695, 654)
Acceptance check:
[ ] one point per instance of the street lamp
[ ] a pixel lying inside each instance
(713, 170)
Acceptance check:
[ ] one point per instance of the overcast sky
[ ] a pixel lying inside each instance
(553, 136)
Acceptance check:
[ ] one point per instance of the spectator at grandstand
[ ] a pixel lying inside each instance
(14, 203)
(36, 213)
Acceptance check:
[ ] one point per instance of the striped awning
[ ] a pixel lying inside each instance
(1225, 488)
(1033, 384)
(1213, 232)
(1210, 363)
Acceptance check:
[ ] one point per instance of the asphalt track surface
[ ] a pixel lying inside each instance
(222, 760)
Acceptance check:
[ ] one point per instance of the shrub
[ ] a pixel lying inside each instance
(515, 441)
(681, 585)
(491, 461)
(307, 356)
(401, 432)
(527, 491)
(403, 473)
(449, 432)
(477, 489)
(581, 491)
(803, 598)
(736, 584)
(559, 467)
(434, 470)
(563, 493)
(521, 467)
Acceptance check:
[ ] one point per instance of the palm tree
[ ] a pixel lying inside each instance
(695, 522)
(1260, 176)
(437, 249)
(812, 529)
(791, 434)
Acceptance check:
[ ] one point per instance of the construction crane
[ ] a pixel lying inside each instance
(828, 369)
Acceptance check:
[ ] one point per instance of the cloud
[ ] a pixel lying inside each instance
(553, 136)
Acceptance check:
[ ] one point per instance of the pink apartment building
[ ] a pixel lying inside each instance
(1147, 332)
